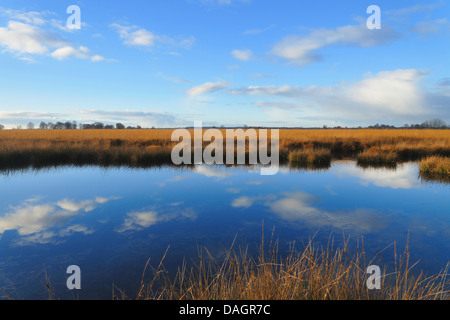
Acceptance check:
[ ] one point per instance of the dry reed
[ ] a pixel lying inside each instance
(311, 274)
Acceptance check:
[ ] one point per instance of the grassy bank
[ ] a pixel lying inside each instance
(310, 274)
(137, 148)
(318, 158)
(435, 168)
(378, 157)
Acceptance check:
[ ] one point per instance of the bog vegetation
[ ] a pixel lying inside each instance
(314, 273)
(149, 147)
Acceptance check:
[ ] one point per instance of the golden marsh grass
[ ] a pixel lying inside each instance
(435, 168)
(146, 147)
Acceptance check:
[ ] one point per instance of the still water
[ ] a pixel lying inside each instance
(110, 221)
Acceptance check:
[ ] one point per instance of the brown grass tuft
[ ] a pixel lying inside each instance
(435, 168)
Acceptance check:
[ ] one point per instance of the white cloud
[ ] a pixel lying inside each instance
(396, 92)
(135, 36)
(86, 205)
(140, 37)
(26, 38)
(207, 87)
(385, 96)
(138, 220)
(403, 177)
(75, 228)
(301, 50)
(243, 55)
(80, 52)
(145, 219)
(243, 202)
(212, 171)
(21, 38)
(35, 220)
(298, 207)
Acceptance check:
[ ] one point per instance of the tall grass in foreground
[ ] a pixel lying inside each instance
(311, 274)
(435, 168)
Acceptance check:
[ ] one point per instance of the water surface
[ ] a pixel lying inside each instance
(110, 221)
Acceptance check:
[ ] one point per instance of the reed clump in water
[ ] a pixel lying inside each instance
(377, 157)
(310, 158)
(435, 168)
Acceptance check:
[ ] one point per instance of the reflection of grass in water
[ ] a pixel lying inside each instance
(311, 274)
(364, 166)
(435, 168)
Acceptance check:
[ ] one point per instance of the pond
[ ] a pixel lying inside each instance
(109, 222)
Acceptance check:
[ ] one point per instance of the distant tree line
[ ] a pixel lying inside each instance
(71, 125)
(428, 124)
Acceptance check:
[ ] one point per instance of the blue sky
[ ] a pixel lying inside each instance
(224, 62)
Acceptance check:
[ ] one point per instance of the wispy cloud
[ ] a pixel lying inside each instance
(303, 50)
(139, 220)
(413, 9)
(145, 118)
(430, 26)
(133, 35)
(207, 87)
(127, 117)
(257, 31)
(243, 55)
(277, 105)
(29, 17)
(173, 79)
(212, 171)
